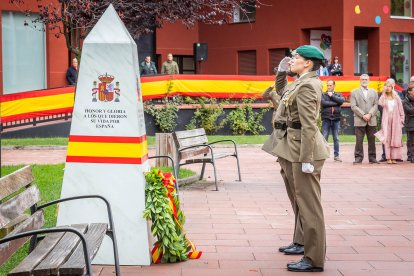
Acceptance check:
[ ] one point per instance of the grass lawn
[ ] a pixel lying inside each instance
(239, 139)
(53, 141)
(49, 180)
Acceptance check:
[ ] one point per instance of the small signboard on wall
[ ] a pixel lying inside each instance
(323, 40)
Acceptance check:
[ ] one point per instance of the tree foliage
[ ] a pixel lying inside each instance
(75, 18)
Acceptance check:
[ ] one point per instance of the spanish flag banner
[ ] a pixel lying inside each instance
(40, 103)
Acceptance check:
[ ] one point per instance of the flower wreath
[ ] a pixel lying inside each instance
(162, 207)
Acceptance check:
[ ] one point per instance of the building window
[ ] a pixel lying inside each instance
(24, 67)
(275, 56)
(246, 12)
(401, 8)
(322, 39)
(361, 56)
(186, 64)
(247, 62)
(400, 58)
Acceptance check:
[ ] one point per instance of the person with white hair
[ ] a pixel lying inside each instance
(72, 72)
(364, 104)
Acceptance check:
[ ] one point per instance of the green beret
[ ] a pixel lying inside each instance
(310, 52)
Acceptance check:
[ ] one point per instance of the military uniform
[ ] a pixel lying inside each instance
(279, 131)
(303, 143)
(170, 68)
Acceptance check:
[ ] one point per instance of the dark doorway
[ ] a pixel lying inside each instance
(146, 47)
(186, 64)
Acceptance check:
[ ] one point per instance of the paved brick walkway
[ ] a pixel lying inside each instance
(369, 214)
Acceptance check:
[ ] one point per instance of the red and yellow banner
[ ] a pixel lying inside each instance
(40, 103)
(156, 253)
(33, 104)
(107, 149)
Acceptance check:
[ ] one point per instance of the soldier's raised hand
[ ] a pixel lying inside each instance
(284, 64)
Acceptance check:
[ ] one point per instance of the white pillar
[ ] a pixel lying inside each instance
(107, 150)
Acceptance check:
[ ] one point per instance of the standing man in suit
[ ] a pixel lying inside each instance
(364, 104)
(305, 149)
(280, 128)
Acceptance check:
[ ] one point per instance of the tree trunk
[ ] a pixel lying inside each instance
(164, 145)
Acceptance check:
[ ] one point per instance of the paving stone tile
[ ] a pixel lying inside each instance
(389, 249)
(380, 265)
(406, 257)
(251, 264)
(234, 243)
(358, 265)
(242, 256)
(385, 272)
(252, 249)
(269, 237)
(363, 257)
(284, 271)
(215, 230)
(341, 250)
(220, 272)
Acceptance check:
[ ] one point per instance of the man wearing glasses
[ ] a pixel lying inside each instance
(364, 104)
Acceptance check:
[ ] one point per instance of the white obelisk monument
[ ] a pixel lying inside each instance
(107, 151)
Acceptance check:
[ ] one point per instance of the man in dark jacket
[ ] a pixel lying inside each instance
(148, 67)
(408, 105)
(72, 72)
(405, 93)
(331, 115)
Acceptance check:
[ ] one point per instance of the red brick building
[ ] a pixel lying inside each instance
(368, 36)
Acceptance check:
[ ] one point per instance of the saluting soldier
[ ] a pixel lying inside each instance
(279, 131)
(306, 150)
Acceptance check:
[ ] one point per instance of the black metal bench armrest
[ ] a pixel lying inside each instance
(166, 156)
(111, 231)
(225, 140)
(108, 206)
(54, 230)
(175, 173)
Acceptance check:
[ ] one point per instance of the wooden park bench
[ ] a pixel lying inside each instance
(63, 250)
(192, 147)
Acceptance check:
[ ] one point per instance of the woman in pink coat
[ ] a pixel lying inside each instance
(392, 123)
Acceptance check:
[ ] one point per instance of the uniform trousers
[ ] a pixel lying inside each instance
(308, 198)
(287, 175)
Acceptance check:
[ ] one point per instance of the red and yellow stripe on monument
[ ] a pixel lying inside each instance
(107, 149)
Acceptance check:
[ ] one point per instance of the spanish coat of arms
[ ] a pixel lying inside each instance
(105, 91)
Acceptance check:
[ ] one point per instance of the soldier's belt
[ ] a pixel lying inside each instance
(295, 125)
(280, 125)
